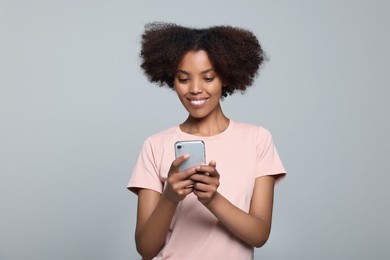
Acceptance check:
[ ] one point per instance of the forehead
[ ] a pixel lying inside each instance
(195, 61)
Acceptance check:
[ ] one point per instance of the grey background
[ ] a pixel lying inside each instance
(75, 109)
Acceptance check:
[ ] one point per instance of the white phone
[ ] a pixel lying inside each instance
(196, 150)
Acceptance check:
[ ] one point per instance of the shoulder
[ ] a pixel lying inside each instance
(163, 134)
(160, 139)
(250, 129)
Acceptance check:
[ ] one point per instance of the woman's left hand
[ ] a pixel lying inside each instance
(206, 182)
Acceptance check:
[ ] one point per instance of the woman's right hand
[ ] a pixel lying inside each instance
(178, 184)
(155, 211)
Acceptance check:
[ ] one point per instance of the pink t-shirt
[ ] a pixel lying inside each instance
(243, 152)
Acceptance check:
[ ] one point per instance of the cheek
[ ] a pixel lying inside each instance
(217, 89)
(180, 94)
(178, 89)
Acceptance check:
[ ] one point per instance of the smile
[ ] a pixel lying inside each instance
(198, 102)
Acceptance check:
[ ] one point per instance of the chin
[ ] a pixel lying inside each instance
(197, 116)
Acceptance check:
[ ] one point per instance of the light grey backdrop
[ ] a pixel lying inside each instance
(75, 109)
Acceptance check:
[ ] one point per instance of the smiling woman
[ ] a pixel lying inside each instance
(199, 87)
(234, 52)
(204, 212)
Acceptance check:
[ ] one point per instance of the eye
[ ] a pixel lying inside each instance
(183, 80)
(208, 79)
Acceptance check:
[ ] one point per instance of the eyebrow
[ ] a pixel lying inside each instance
(187, 73)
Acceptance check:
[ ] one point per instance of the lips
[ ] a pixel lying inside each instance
(198, 102)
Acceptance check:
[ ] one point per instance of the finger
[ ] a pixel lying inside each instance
(189, 172)
(178, 161)
(201, 177)
(181, 176)
(184, 187)
(207, 170)
(211, 182)
(184, 184)
(213, 163)
(201, 187)
(204, 188)
(187, 191)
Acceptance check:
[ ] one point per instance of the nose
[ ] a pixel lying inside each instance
(196, 87)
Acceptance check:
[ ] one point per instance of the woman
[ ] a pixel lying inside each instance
(223, 209)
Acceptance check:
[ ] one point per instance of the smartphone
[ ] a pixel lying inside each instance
(196, 150)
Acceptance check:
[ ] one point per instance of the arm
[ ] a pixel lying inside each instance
(253, 227)
(155, 210)
(153, 219)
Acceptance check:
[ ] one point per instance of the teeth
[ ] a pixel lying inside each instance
(198, 102)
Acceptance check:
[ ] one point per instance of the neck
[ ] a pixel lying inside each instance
(208, 126)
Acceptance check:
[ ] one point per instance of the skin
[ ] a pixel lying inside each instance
(199, 89)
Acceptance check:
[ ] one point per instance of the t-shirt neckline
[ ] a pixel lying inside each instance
(190, 136)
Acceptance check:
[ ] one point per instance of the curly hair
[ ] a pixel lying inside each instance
(234, 52)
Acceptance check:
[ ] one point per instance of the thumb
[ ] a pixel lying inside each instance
(178, 161)
(213, 163)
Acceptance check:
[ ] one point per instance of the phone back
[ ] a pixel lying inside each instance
(196, 150)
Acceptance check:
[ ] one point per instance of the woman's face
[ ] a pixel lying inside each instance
(197, 85)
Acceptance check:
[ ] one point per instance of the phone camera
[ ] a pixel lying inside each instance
(179, 146)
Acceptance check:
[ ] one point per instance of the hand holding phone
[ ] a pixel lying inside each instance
(195, 149)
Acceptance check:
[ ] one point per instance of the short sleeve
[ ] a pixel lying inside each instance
(268, 160)
(145, 174)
